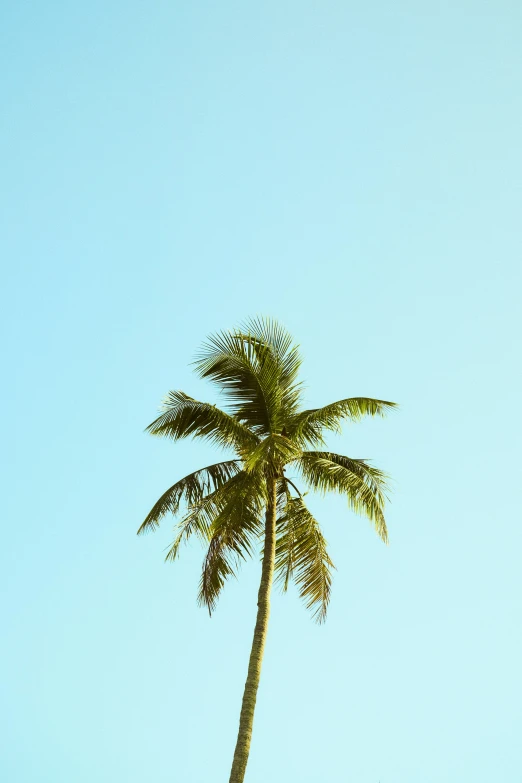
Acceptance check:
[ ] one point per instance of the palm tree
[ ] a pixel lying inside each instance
(240, 505)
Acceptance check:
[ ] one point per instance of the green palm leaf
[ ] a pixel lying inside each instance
(233, 534)
(201, 514)
(192, 489)
(255, 368)
(307, 427)
(274, 347)
(183, 416)
(362, 484)
(301, 553)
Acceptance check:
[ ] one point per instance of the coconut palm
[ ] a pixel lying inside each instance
(249, 504)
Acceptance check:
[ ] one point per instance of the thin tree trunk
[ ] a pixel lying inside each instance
(248, 706)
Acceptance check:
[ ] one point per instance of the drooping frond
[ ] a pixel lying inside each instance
(285, 535)
(202, 513)
(235, 530)
(284, 489)
(183, 416)
(282, 495)
(196, 522)
(363, 485)
(256, 369)
(307, 427)
(301, 554)
(191, 489)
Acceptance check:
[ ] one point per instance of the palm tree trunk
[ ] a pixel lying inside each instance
(248, 706)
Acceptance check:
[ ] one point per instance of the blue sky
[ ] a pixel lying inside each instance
(355, 171)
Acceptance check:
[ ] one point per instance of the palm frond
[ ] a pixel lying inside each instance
(307, 427)
(200, 516)
(197, 522)
(235, 530)
(191, 489)
(255, 367)
(301, 553)
(231, 362)
(282, 496)
(362, 484)
(184, 416)
(273, 342)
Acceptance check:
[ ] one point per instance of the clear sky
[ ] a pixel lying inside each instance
(355, 170)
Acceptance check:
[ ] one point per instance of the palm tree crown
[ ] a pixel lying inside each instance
(256, 368)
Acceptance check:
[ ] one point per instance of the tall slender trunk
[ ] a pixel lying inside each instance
(248, 706)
